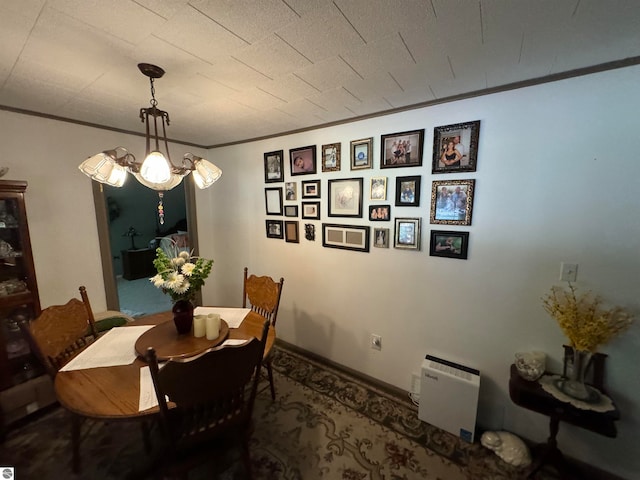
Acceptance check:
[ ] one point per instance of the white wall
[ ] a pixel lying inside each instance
(556, 181)
(59, 199)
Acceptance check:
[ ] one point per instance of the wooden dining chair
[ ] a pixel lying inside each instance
(56, 336)
(60, 331)
(262, 294)
(212, 397)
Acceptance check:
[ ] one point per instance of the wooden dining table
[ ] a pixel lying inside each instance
(113, 393)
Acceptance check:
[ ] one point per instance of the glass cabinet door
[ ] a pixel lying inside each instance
(18, 288)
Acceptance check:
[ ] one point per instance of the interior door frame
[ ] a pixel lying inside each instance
(102, 220)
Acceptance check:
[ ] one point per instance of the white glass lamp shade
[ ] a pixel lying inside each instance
(173, 181)
(156, 168)
(103, 168)
(205, 173)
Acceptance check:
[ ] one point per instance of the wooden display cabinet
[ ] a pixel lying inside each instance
(24, 388)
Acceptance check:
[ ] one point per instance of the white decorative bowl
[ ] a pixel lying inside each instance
(531, 365)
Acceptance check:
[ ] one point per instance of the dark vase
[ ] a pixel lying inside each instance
(183, 316)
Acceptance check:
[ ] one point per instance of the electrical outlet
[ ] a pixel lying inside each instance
(376, 342)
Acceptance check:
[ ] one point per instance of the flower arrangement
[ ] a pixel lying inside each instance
(582, 318)
(181, 276)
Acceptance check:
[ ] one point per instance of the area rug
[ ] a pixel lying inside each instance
(324, 424)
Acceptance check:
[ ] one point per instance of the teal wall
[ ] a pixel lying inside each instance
(137, 207)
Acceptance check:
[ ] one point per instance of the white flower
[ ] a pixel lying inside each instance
(174, 280)
(187, 268)
(178, 261)
(183, 287)
(180, 275)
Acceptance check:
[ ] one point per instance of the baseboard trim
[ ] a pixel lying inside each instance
(391, 390)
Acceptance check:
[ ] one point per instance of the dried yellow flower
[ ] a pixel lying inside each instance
(582, 319)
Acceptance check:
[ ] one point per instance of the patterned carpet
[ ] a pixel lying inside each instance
(324, 424)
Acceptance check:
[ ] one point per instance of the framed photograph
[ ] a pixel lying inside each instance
(291, 189)
(379, 213)
(331, 157)
(310, 232)
(381, 237)
(291, 210)
(291, 231)
(345, 197)
(455, 147)
(311, 210)
(402, 149)
(274, 166)
(449, 244)
(408, 191)
(311, 189)
(349, 237)
(273, 200)
(378, 189)
(407, 233)
(361, 153)
(274, 229)
(452, 202)
(303, 160)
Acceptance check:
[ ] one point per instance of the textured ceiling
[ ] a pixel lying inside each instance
(245, 69)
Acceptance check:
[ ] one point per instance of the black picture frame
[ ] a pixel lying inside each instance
(311, 210)
(291, 210)
(273, 200)
(450, 244)
(408, 191)
(302, 161)
(275, 228)
(452, 202)
(274, 166)
(311, 189)
(381, 237)
(463, 137)
(345, 197)
(346, 237)
(410, 156)
(292, 231)
(380, 213)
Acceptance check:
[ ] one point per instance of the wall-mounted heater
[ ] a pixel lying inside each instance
(449, 396)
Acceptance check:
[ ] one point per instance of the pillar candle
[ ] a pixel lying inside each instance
(199, 327)
(213, 326)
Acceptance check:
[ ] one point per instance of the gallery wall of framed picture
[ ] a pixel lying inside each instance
(318, 184)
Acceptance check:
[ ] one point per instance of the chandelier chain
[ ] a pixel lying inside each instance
(153, 100)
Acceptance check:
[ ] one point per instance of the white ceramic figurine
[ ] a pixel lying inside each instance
(508, 447)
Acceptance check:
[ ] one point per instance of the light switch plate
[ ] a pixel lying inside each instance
(568, 272)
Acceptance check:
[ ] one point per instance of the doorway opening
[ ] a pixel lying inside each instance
(129, 233)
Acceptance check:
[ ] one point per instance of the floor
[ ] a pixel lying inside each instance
(140, 297)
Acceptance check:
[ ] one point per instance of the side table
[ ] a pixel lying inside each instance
(532, 396)
(138, 263)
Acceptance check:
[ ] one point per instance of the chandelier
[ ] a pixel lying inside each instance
(157, 171)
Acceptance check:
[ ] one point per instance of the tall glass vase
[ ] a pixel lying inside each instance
(574, 385)
(183, 316)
